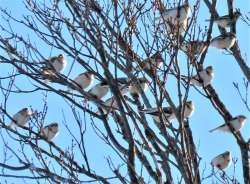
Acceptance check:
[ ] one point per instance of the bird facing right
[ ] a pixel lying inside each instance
(227, 20)
(222, 161)
(204, 78)
(224, 41)
(21, 118)
(237, 123)
(99, 90)
(84, 79)
(50, 131)
(177, 14)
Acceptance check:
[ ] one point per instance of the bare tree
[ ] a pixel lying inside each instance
(132, 49)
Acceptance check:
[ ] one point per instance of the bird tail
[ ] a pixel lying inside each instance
(222, 128)
(213, 130)
(147, 111)
(12, 125)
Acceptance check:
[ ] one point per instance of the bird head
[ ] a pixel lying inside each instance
(242, 118)
(26, 111)
(158, 58)
(60, 58)
(89, 75)
(231, 35)
(187, 8)
(227, 153)
(53, 127)
(190, 105)
(209, 70)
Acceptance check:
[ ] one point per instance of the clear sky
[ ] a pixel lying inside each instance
(205, 117)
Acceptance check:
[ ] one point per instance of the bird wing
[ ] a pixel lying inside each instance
(151, 111)
(196, 80)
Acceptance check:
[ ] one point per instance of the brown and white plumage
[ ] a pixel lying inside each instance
(227, 20)
(50, 131)
(177, 14)
(237, 123)
(134, 89)
(169, 112)
(204, 78)
(169, 27)
(57, 63)
(194, 47)
(99, 90)
(222, 161)
(152, 63)
(84, 79)
(21, 118)
(225, 41)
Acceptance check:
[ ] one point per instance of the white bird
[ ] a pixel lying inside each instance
(50, 131)
(84, 79)
(134, 88)
(99, 90)
(222, 161)
(204, 78)
(194, 47)
(227, 20)
(225, 41)
(58, 63)
(172, 27)
(21, 118)
(177, 14)
(237, 123)
(169, 112)
(154, 112)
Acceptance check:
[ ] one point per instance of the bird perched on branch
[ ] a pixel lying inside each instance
(204, 78)
(179, 13)
(195, 48)
(227, 20)
(224, 41)
(21, 118)
(84, 79)
(236, 123)
(50, 131)
(99, 90)
(131, 85)
(134, 89)
(168, 112)
(152, 63)
(222, 161)
(57, 63)
(174, 20)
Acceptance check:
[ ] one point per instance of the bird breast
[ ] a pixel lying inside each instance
(59, 66)
(223, 43)
(99, 91)
(83, 81)
(223, 22)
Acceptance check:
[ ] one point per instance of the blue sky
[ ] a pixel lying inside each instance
(205, 117)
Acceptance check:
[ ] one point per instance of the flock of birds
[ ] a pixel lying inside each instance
(175, 16)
